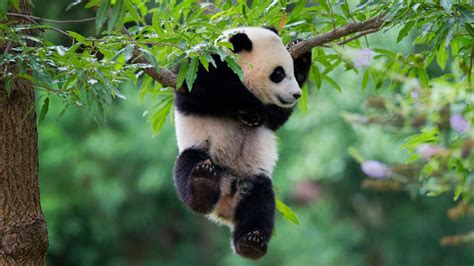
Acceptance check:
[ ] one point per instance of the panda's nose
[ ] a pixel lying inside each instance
(297, 95)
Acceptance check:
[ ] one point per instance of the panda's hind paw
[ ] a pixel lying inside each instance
(255, 237)
(204, 187)
(252, 245)
(204, 169)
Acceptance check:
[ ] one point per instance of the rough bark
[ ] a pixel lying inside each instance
(23, 233)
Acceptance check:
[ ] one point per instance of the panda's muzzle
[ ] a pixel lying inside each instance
(284, 102)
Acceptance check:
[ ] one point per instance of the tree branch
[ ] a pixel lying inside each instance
(49, 20)
(357, 36)
(164, 76)
(168, 79)
(367, 26)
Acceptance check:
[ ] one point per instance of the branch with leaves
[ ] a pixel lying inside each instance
(168, 79)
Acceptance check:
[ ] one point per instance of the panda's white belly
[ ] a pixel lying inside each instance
(246, 151)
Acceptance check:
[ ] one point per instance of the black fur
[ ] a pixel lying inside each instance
(197, 180)
(271, 28)
(218, 92)
(301, 67)
(254, 217)
(241, 41)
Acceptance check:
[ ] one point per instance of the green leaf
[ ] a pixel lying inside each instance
(365, 80)
(150, 58)
(3, 8)
(428, 135)
(183, 68)
(44, 110)
(442, 57)
(15, 4)
(118, 14)
(303, 102)
(92, 3)
(423, 77)
(235, 67)
(226, 44)
(333, 83)
(470, 29)
(466, 13)
(77, 36)
(446, 4)
(9, 85)
(298, 8)
(404, 31)
(316, 75)
(191, 74)
(386, 52)
(355, 154)
(101, 14)
(324, 4)
(210, 59)
(286, 212)
(127, 52)
(204, 62)
(159, 117)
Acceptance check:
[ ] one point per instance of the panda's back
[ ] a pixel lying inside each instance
(246, 151)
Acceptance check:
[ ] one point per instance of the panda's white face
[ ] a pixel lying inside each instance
(268, 68)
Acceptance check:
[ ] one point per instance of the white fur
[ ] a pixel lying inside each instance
(267, 53)
(246, 151)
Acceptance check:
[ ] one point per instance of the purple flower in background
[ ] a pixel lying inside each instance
(361, 58)
(459, 123)
(415, 94)
(427, 151)
(376, 169)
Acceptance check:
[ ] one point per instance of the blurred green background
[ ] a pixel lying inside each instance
(108, 195)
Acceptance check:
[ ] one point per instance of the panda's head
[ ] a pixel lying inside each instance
(266, 64)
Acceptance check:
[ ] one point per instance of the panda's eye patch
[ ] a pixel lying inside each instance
(278, 74)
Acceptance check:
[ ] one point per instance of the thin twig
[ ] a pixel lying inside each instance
(305, 46)
(50, 20)
(357, 36)
(332, 16)
(469, 73)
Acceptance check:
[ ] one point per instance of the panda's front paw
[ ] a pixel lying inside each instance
(250, 119)
(252, 245)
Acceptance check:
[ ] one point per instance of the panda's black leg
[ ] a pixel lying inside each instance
(197, 180)
(254, 217)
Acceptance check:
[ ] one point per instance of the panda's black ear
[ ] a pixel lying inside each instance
(271, 28)
(241, 41)
(301, 65)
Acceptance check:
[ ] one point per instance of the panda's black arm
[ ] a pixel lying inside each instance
(218, 92)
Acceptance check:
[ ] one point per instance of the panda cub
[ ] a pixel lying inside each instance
(226, 135)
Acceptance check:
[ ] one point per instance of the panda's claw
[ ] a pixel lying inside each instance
(205, 168)
(252, 245)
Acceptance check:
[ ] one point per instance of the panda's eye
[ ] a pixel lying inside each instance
(278, 74)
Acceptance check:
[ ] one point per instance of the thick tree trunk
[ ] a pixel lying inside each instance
(23, 233)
